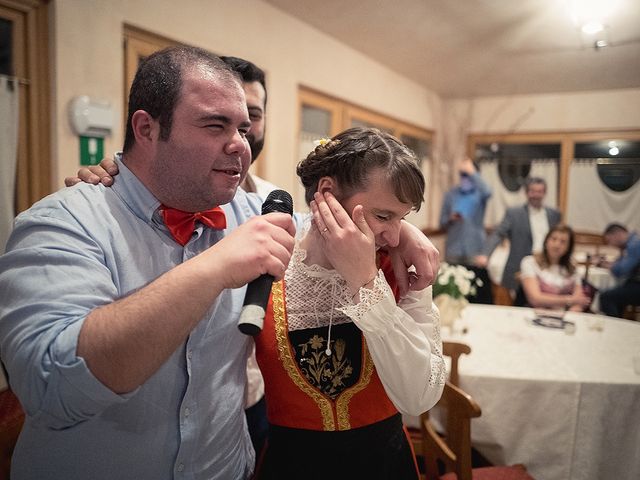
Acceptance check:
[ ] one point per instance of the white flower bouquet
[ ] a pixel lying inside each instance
(456, 281)
(451, 289)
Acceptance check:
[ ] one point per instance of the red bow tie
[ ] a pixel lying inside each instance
(182, 224)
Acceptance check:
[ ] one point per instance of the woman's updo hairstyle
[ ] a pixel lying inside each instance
(350, 156)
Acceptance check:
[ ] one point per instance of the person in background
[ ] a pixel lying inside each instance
(341, 352)
(255, 90)
(525, 227)
(549, 278)
(626, 269)
(462, 216)
(119, 328)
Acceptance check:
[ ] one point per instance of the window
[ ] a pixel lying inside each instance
(597, 172)
(325, 116)
(6, 45)
(24, 56)
(514, 161)
(617, 161)
(138, 44)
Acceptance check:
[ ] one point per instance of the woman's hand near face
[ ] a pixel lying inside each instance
(348, 242)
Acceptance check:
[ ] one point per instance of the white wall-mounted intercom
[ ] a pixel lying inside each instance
(90, 118)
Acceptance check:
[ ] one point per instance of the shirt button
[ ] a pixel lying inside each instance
(190, 354)
(187, 412)
(181, 467)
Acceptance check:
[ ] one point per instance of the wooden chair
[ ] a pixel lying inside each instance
(631, 312)
(454, 450)
(455, 350)
(501, 295)
(450, 349)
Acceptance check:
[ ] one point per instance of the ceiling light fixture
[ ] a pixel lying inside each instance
(591, 15)
(613, 148)
(591, 28)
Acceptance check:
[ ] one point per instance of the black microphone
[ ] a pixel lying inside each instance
(258, 290)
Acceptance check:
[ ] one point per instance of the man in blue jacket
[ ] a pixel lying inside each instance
(462, 216)
(626, 268)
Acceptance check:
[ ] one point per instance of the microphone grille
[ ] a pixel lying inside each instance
(278, 201)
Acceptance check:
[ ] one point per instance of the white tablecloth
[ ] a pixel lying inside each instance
(567, 405)
(601, 278)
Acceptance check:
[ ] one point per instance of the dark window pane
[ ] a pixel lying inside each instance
(619, 177)
(529, 151)
(419, 146)
(6, 46)
(514, 160)
(618, 161)
(612, 148)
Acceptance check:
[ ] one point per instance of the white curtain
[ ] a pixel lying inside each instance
(502, 198)
(8, 154)
(592, 205)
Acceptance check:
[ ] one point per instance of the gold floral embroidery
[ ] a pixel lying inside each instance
(326, 373)
(282, 339)
(342, 405)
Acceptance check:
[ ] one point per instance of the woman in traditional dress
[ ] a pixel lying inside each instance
(341, 354)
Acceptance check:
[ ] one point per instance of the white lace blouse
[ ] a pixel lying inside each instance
(403, 339)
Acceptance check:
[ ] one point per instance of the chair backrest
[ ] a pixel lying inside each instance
(454, 450)
(501, 295)
(455, 350)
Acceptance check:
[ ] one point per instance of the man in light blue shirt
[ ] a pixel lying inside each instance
(121, 343)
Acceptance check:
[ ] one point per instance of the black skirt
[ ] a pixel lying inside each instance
(379, 451)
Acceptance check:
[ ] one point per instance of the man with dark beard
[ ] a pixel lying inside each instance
(255, 90)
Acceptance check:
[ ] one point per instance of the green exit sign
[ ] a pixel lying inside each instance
(91, 150)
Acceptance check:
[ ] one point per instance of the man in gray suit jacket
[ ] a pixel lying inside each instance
(525, 226)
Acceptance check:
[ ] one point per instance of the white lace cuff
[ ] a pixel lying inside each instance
(368, 298)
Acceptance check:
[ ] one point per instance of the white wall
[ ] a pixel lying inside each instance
(580, 111)
(89, 60)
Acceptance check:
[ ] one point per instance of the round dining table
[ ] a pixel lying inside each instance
(560, 395)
